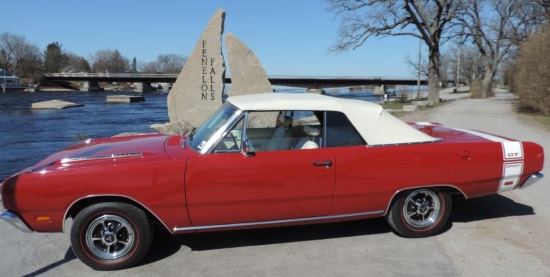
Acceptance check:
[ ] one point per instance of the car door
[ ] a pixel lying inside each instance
(230, 187)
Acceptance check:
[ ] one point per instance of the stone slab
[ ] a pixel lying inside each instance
(54, 105)
(198, 90)
(247, 74)
(124, 99)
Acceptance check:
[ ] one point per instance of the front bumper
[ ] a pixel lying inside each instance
(15, 221)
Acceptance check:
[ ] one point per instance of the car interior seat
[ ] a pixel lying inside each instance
(309, 141)
(282, 137)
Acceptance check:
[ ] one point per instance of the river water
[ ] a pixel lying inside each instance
(28, 136)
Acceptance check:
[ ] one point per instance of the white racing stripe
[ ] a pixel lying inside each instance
(512, 157)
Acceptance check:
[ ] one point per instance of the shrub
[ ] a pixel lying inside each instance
(532, 82)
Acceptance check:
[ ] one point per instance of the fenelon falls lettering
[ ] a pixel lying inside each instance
(208, 73)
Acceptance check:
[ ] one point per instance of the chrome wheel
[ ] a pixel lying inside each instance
(421, 208)
(110, 237)
(419, 213)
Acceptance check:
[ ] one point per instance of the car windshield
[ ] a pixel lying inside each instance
(212, 126)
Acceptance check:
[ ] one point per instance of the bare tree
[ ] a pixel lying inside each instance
(426, 20)
(14, 51)
(31, 65)
(495, 27)
(106, 61)
(150, 67)
(76, 63)
(170, 63)
(545, 4)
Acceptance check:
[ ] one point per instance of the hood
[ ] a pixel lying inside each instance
(107, 149)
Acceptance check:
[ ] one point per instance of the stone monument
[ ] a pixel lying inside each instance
(248, 77)
(247, 74)
(199, 87)
(198, 90)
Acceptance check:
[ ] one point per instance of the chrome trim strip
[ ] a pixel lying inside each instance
(219, 134)
(112, 156)
(260, 223)
(532, 180)
(405, 143)
(15, 221)
(111, 195)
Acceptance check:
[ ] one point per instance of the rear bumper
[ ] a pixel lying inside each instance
(15, 221)
(532, 180)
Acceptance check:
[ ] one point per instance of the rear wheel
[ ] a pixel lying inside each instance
(420, 212)
(110, 236)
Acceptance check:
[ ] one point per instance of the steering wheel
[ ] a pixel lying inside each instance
(235, 145)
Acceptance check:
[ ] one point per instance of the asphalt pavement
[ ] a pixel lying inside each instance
(499, 235)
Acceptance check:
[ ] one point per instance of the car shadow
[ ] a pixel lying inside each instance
(69, 256)
(477, 209)
(487, 207)
(165, 245)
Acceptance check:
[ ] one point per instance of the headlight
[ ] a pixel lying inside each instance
(7, 192)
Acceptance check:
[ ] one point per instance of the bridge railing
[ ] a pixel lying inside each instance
(113, 75)
(174, 76)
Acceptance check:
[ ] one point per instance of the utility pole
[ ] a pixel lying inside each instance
(458, 67)
(419, 66)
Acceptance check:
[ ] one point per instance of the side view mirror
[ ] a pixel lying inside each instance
(247, 149)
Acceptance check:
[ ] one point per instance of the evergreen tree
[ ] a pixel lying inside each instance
(133, 68)
(54, 58)
(117, 64)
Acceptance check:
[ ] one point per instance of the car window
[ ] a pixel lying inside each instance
(232, 140)
(340, 132)
(274, 131)
(213, 125)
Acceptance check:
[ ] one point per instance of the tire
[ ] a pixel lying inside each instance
(111, 236)
(419, 213)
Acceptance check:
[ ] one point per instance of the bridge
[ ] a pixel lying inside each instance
(143, 80)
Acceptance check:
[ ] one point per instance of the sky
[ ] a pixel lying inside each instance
(289, 37)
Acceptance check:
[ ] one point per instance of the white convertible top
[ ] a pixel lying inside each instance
(374, 124)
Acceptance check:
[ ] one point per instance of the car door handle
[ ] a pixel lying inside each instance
(325, 163)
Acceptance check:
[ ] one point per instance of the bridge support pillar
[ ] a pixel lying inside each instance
(143, 87)
(91, 86)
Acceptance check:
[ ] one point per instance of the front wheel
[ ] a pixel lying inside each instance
(420, 213)
(111, 236)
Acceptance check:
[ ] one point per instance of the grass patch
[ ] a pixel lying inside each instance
(541, 120)
(532, 116)
(393, 105)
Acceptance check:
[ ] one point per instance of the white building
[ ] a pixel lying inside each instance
(9, 81)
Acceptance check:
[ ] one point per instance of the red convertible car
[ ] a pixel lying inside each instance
(263, 160)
